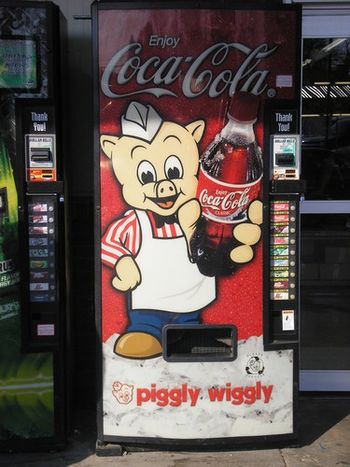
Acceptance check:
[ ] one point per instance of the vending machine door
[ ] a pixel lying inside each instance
(325, 210)
(182, 177)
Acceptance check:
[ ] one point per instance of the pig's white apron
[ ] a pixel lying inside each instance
(169, 281)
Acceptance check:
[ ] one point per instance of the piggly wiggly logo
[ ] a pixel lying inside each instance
(191, 396)
(123, 392)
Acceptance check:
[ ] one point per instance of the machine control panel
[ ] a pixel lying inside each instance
(283, 266)
(286, 157)
(41, 220)
(40, 143)
(42, 223)
(282, 281)
(283, 249)
(41, 163)
(42, 307)
(285, 145)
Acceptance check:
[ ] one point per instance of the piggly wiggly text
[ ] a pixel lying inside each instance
(183, 394)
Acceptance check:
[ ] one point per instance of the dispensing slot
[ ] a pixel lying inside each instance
(199, 343)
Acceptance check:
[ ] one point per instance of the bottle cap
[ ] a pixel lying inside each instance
(243, 106)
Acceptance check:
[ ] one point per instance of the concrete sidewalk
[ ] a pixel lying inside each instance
(324, 441)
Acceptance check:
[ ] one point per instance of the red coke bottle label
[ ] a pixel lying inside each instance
(225, 202)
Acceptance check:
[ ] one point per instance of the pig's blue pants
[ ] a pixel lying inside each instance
(152, 322)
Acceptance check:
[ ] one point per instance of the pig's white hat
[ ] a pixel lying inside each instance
(140, 121)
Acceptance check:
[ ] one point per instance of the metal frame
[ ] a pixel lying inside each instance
(325, 207)
(317, 24)
(325, 380)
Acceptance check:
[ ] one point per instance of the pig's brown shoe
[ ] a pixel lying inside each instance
(137, 345)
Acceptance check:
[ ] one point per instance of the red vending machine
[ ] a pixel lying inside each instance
(197, 182)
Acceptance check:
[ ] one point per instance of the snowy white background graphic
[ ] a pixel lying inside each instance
(206, 419)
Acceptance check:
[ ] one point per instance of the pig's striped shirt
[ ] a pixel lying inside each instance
(123, 237)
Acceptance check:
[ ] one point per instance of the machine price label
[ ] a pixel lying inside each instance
(280, 240)
(280, 218)
(43, 230)
(278, 274)
(280, 206)
(279, 251)
(280, 229)
(280, 295)
(280, 284)
(34, 241)
(280, 262)
(33, 287)
(38, 207)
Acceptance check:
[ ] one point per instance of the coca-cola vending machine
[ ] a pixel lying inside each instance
(197, 188)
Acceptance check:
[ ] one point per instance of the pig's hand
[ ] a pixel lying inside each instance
(128, 275)
(248, 234)
(188, 216)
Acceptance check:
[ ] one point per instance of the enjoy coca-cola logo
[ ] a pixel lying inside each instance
(229, 201)
(197, 73)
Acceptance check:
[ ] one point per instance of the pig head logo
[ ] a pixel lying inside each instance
(156, 163)
(122, 392)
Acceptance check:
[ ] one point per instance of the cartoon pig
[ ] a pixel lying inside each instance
(156, 163)
(122, 392)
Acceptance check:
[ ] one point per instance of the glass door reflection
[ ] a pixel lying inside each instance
(325, 220)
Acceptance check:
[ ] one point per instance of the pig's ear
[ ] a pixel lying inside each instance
(108, 144)
(196, 129)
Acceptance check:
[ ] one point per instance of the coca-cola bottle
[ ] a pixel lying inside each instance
(229, 180)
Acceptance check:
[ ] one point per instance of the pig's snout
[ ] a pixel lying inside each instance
(165, 188)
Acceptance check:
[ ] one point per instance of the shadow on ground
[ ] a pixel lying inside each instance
(322, 437)
(319, 413)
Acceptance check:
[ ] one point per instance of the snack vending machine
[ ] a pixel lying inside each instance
(32, 264)
(197, 181)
